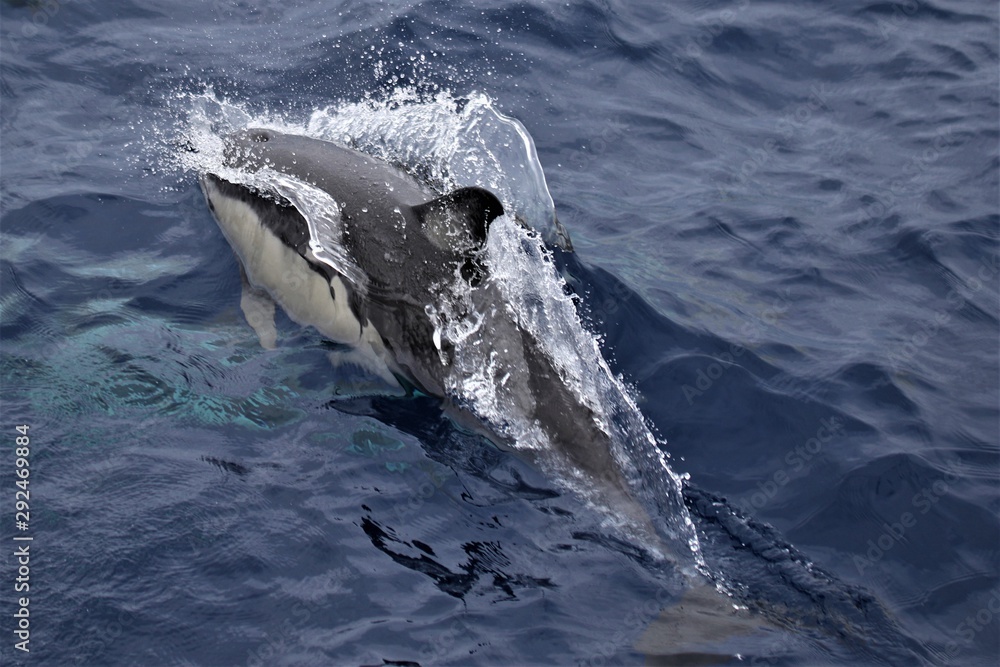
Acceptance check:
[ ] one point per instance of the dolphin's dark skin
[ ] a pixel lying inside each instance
(408, 247)
(412, 246)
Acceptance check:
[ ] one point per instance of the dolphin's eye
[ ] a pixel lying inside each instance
(260, 136)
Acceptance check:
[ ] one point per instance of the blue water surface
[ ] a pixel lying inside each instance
(785, 219)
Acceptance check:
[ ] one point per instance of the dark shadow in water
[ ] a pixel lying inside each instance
(485, 560)
(761, 569)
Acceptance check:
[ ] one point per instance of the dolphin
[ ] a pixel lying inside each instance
(381, 286)
(407, 244)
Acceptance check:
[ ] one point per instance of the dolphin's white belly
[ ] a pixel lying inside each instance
(304, 294)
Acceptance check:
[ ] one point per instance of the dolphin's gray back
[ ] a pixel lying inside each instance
(381, 229)
(536, 392)
(384, 213)
(349, 175)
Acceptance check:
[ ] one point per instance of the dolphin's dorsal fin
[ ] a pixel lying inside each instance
(460, 219)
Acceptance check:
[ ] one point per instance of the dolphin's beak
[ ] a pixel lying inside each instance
(208, 184)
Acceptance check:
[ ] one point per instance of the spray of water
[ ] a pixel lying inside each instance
(450, 142)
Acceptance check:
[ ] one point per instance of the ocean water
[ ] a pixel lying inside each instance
(784, 219)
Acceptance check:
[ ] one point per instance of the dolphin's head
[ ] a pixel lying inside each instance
(341, 172)
(361, 183)
(381, 206)
(252, 148)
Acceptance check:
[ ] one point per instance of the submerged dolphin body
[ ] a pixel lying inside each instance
(402, 267)
(401, 254)
(409, 247)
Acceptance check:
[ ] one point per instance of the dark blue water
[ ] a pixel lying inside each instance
(785, 220)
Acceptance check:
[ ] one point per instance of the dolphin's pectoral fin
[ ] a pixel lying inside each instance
(460, 219)
(258, 308)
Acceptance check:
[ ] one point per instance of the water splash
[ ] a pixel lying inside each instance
(444, 140)
(449, 142)
(323, 219)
